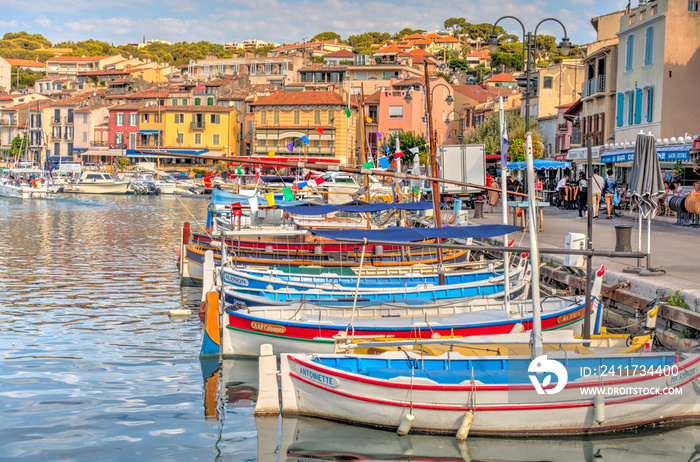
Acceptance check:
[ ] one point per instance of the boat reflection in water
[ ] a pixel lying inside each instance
(234, 384)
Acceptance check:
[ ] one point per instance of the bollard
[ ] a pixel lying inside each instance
(623, 236)
(479, 209)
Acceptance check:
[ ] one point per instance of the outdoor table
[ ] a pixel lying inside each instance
(549, 194)
(525, 205)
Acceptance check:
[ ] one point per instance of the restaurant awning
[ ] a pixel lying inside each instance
(582, 153)
(665, 153)
(148, 132)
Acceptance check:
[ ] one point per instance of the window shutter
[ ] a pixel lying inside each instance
(649, 114)
(638, 107)
(649, 46)
(630, 116)
(620, 108)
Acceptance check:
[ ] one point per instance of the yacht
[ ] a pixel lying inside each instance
(97, 183)
(25, 183)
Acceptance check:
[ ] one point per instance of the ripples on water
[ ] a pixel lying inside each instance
(92, 368)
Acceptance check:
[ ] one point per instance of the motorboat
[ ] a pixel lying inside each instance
(97, 183)
(25, 183)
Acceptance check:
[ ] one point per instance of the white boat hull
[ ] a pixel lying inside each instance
(24, 192)
(119, 187)
(315, 390)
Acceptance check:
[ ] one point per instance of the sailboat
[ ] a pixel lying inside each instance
(552, 393)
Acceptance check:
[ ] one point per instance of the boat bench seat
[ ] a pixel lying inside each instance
(452, 377)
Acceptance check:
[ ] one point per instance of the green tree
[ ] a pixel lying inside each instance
(456, 24)
(483, 30)
(447, 77)
(323, 36)
(489, 134)
(27, 77)
(458, 64)
(362, 43)
(317, 59)
(19, 145)
(407, 31)
(407, 140)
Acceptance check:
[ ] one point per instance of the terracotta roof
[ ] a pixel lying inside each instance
(128, 107)
(91, 108)
(433, 35)
(323, 67)
(122, 80)
(220, 82)
(106, 72)
(502, 77)
(340, 54)
(7, 96)
(388, 50)
(422, 42)
(418, 51)
(410, 81)
(446, 39)
(243, 93)
(373, 98)
(413, 37)
(188, 108)
(476, 92)
(302, 98)
(312, 44)
(150, 93)
(78, 58)
(24, 63)
(72, 100)
(479, 54)
(43, 104)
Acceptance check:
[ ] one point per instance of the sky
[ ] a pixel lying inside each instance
(284, 21)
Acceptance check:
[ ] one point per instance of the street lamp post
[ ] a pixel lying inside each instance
(529, 49)
(447, 122)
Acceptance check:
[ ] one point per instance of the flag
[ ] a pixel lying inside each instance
(505, 143)
(416, 191)
(319, 180)
(239, 170)
(302, 184)
(319, 130)
(271, 154)
(384, 162)
(290, 147)
(305, 139)
(270, 198)
(287, 193)
(253, 204)
(347, 112)
(398, 154)
(367, 165)
(368, 119)
(379, 136)
(386, 148)
(414, 150)
(236, 209)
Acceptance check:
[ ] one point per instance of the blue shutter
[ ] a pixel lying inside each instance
(649, 46)
(650, 112)
(638, 107)
(630, 115)
(620, 108)
(630, 52)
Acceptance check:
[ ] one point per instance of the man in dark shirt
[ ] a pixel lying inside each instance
(609, 189)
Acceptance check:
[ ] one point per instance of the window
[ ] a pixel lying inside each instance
(198, 139)
(317, 117)
(214, 118)
(630, 107)
(156, 118)
(649, 46)
(216, 139)
(180, 138)
(118, 139)
(184, 101)
(331, 116)
(70, 116)
(642, 15)
(361, 75)
(57, 149)
(84, 118)
(145, 118)
(548, 82)
(197, 101)
(638, 106)
(646, 108)
(210, 101)
(297, 116)
(119, 119)
(653, 11)
(316, 143)
(263, 117)
(174, 102)
(630, 52)
(633, 19)
(179, 118)
(694, 6)
(84, 137)
(396, 112)
(133, 120)
(276, 116)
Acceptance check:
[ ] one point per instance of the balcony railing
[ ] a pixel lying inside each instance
(56, 136)
(99, 144)
(11, 122)
(198, 125)
(593, 86)
(61, 120)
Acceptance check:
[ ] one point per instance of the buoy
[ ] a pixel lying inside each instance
(405, 425)
(175, 313)
(518, 328)
(464, 427)
(599, 408)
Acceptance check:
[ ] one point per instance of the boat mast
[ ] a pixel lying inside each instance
(534, 249)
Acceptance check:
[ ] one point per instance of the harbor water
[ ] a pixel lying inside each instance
(92, 367)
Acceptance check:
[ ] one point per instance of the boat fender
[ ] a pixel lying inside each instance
(464, 427)
(518, 328)
(405, 425)
(464, 452)
(379, 250)
(599, 408)
(318, 250)
(268, 249)
(436, 335)
(269, 287)
(406, 446)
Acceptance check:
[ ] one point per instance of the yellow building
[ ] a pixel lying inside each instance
(190, 129)
(286, 116)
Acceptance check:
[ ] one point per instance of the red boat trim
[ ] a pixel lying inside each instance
(381, 383)
(300, 339)
(478, 408)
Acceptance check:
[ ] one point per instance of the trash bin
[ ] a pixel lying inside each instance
(623, 238)
(479, 209)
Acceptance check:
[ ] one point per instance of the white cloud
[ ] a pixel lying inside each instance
(43, 21)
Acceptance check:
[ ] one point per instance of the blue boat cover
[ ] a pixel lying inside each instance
(357, 208)
(399, 234)
(540, 164)
(219, 197)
